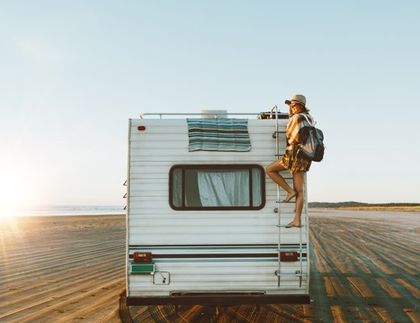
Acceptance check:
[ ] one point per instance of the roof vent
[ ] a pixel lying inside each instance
(213, 114)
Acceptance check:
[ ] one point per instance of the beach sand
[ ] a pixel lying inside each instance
(364, 266)
(61, 268)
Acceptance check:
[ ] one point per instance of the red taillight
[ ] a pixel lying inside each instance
(288, 256)
(142, 257)
(141, 128)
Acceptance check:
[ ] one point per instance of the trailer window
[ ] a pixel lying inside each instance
(216, 187)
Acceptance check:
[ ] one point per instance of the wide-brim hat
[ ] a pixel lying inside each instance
(299, 98)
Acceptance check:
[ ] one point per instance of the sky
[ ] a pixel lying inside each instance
(73, 72)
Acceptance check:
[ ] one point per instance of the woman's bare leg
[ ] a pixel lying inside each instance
(298, 184)
(273, 171)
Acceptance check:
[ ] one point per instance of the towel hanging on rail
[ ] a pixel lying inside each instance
(224, 134)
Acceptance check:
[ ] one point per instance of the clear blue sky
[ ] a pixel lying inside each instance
(73, 72)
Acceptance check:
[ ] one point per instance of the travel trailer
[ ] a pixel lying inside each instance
(205, 225)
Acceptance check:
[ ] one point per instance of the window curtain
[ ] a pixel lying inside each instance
(256, 187)
(177, 187)
(224, 188)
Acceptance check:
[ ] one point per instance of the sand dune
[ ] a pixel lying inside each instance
(364, 266)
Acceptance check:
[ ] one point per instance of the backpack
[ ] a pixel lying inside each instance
(312, 146)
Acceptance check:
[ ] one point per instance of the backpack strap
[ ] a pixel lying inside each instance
(311, 123)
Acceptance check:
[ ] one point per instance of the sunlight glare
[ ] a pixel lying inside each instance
(14, 194)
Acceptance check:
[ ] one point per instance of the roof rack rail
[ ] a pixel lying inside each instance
(178, 114)
(194, 114)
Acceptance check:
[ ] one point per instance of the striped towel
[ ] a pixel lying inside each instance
(218, 134)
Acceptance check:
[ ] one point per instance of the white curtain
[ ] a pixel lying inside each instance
(224, 188)
(177, 187)
(256, 187)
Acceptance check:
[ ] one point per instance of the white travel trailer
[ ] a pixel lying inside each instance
(208, 226)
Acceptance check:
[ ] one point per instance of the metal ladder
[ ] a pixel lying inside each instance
(299, 273)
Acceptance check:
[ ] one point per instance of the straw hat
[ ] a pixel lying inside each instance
(299, 98)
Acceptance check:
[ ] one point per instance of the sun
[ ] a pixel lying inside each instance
(14, 194)
(9, 196)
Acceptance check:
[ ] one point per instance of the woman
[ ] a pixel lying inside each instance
(296, 165)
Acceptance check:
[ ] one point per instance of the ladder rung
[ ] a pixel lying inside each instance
(285, 202)
(283, 226)
(274, 135)
(297, 260)
(290, 274)
(291, 250)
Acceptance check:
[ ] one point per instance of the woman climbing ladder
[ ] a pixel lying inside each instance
(291, 161)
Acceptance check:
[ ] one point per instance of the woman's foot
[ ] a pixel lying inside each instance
(294, 224)
(289, 196)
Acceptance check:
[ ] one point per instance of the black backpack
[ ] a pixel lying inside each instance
(312, 146)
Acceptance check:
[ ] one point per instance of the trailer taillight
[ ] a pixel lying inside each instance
(141, 128)
(142, 257)
(288, 256)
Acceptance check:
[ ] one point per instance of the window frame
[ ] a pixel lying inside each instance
(248, 167)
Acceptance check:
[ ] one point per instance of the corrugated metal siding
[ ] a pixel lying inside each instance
(153, 152)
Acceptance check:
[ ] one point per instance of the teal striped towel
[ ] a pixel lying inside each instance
(218, 134)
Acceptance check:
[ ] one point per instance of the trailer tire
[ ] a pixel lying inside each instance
(124, 310)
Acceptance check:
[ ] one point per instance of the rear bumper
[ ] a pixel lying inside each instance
(218, 299)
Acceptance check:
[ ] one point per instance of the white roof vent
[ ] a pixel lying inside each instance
(213, 114)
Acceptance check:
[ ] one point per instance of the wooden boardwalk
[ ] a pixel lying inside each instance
(364, 267)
